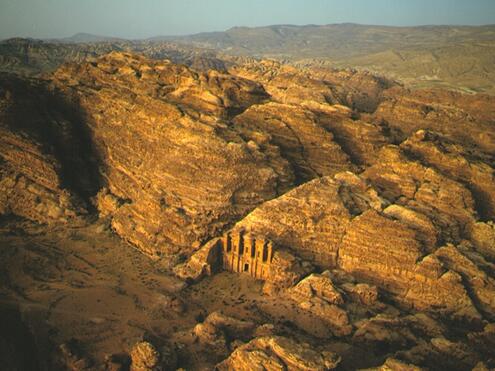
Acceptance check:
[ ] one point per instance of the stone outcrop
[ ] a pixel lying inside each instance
(354, 216)
(464, 118)
(145, 357)
(441, 353)
(386, 330)
(386, 252)
(483, 237)
(309, 86)
(359, 139)
(190, 174)
(278, 353)
(310, 220)
(426, 232)
(41, 146)
(483, 341)
(330, 98)
(285, 270)
(72, 356)
(341, 222)
(457, 162)
(303, 141)
(285, 83)
(448, 204)
(480, 284)
(360, 90)
(362, 293)
(319, 285)
(206, 261)
(218, 330)
(317, 294)
(392, 364)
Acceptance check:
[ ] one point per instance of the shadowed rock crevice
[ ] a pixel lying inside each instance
(471, 168)
(167, 146)
(80, 159)
(17, 344)
(38, 112)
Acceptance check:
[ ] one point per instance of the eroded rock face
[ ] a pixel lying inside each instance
(464, 118)
(316, 86)
(320, 212)
(459, 163)
(285, 270)
(313, 227)
(336, 98)
(41, 145)
(285, 84)
(361, 140)
(480, 284)
(278, 353)
(387, 253)
(342, 222)
(373, 205)
(218, 330)
(392, 364)
(301, 137)
(483, 237)
(205, 261)
(189, 174)
(447, 203)
(317, 295)
(144, 357)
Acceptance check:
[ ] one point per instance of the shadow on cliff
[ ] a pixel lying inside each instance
(17, 344)
(58, 124)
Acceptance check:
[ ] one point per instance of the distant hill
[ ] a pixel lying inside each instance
(455, 57)
(32, 57)
(86, 38)
(35, 57)
(338, 40)
(460, 57)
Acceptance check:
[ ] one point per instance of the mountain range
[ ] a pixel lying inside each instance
(234, 201)
(455, 57)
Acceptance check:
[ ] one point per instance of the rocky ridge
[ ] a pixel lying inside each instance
(379, 203)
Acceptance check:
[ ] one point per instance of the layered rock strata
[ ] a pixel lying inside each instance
(342, 223)
(278, 353)
(190, 174)
(47, 164)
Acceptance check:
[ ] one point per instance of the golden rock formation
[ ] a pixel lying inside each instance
(190, 173)
(297, 216)
(278, 353)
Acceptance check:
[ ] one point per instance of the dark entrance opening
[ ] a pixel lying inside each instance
(246, 267)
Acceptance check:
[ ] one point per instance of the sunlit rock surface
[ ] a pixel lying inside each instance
(299, 218)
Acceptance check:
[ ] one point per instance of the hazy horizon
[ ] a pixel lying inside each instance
(130, 19)
(261, 26)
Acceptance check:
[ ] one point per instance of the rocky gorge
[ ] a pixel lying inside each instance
(127, 182)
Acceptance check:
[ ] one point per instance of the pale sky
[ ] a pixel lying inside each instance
(147, 18)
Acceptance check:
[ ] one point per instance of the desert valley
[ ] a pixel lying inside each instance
(246, 200)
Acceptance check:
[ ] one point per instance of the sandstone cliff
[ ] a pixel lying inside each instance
(343, 223)
(47, 163)
(300, 218)
(190, 173)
